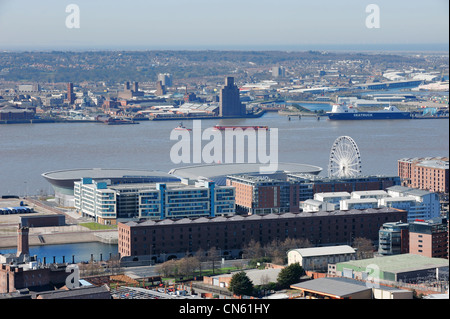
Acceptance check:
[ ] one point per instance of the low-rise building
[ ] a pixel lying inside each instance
(407, 268)
(318, 258)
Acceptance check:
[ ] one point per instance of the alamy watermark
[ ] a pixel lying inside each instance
(226, 145)
(73, 19)
(373, 19)
(373, 276)
(73, 279)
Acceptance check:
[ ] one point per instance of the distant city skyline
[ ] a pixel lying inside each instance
(232, 24)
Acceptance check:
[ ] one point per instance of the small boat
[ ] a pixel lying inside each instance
(114, 120)
(234, 127)
(181, 127)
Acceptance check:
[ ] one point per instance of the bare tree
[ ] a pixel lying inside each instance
(364, 248)
(213, 256)
(253, 250)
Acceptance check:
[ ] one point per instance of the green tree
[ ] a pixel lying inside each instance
(290, 275)
(240, 284)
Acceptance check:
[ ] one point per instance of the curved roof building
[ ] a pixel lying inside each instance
(62, 181)
(219, 172)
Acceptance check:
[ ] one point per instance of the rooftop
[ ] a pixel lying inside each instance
(260, 217)
(327, 250)
(338, 287)
(101, 173)
(399, 263)
(223, 170)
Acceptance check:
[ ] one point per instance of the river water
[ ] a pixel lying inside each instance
(28, 150)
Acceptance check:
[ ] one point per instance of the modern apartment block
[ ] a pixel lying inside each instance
(393, 238)
(429, 238)
(263, 195)
(160, 240)
(418, 203)
(428, 173)
(312, 184)
(108, 204)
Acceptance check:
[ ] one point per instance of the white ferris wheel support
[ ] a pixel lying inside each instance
(345, 159)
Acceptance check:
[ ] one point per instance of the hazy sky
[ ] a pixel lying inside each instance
(211, 24)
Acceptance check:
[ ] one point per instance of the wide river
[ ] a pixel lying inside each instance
(28, 150)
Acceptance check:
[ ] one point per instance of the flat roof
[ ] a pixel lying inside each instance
(215, 170)
(103, 173)
(335, 287)
(399, 263)
(327, 250)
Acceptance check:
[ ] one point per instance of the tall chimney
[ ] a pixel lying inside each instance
(23, 247)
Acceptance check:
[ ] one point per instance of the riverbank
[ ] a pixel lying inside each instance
(135, 120)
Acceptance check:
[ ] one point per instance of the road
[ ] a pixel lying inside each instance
(150, 271)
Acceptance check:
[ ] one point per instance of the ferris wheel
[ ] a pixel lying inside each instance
(345, 159)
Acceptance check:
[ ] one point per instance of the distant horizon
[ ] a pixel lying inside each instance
(353, 48)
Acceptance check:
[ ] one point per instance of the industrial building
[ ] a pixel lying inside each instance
(346, 288)
(159, 240)
(318, 258)
(108, 204)
(404, 267)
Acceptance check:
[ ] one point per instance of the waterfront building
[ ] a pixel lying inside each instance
(230, 102)
(427, 173)
(10, 112)
(159, 240)
(107, 204)
(63, 181)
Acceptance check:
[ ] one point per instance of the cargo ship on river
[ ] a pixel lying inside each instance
(345, 112)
